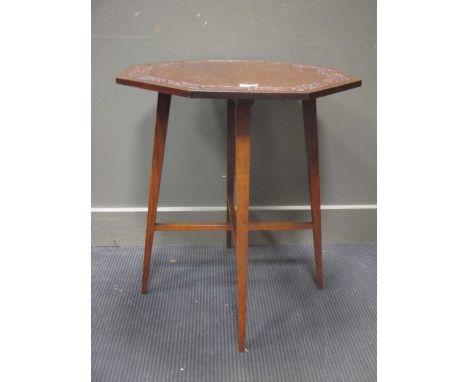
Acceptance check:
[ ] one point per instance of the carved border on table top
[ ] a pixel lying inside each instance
(331, 77)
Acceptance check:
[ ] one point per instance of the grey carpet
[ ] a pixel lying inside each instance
(185, 328)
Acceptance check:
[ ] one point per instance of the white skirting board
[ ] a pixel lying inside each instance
(223, 208)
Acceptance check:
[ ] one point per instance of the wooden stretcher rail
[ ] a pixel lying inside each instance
(253, 226)
(279, 226)
(192, 227)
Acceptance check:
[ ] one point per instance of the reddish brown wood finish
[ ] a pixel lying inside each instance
(279, 226)
(230, 166)
(242, 169)
(309, 111)
(162, 117)
(240, 82)
(192, 227)
(235, 79)
(230, 226)
(232, 214)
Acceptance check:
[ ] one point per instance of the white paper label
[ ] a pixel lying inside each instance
(248, 85)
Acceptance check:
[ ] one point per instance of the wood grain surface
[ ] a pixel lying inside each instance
(238, 79)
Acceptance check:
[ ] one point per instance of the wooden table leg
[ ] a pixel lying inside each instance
(162, 117)
(230, 163)
(309, 110)
(242, 170)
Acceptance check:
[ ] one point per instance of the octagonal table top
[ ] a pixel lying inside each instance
(238, 79)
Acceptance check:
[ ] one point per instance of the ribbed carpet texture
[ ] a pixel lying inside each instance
(185, 328)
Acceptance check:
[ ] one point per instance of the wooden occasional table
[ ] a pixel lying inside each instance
(240, 83)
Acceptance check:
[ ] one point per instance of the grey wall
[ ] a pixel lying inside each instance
(339, 33)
